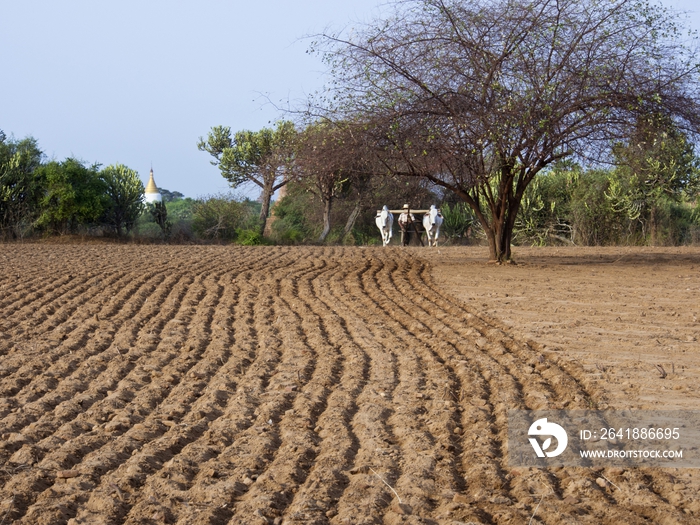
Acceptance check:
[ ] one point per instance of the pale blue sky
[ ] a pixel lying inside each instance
(138, 82)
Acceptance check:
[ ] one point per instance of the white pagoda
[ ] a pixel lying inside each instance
(151, 194)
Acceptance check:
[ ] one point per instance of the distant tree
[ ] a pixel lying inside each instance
(180, 209)
(125, 191)
(262, 157)
(329, 160)
(657, 164)
(170, 196)
(74, 195)
(20, 188)
(478, 96)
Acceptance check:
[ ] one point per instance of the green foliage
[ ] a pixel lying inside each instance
(124, 190)
(218, 217)
(678, 224)
(159, 214)
(545, 210)
(170, 196)
(456, 220)
(20, 188)
(246, 237)
(658, 167)
(74, 196)
(594, 220)
(247, 155)
(568, 205)
(663, 160)
(602, 207)
(253, 210)
(181, 209)
(261, 157)
(180, 213)
(294, 215)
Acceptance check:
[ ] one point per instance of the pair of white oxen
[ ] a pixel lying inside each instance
(431, 223)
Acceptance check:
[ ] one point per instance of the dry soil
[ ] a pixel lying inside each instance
(270, 385)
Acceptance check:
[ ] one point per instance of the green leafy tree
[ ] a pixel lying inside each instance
(181, 209)
(20, 188)
(594, 219)
(295, 213)
(124, 190)
(170, 196)
(263, 158)
(74, 195)
(658, 166)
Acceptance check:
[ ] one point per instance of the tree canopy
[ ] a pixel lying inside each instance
(125, 192)
(261, 157)
(479, 96)
(73, 195)
(20, 189)
(330, 159)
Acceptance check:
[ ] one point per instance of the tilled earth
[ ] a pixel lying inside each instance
(261, 385)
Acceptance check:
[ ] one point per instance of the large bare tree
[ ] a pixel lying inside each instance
(478, 96)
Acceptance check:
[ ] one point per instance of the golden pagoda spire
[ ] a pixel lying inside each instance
(151, 193)
(151, 186)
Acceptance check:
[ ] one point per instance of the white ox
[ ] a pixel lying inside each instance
(432, 222)
(385, 221)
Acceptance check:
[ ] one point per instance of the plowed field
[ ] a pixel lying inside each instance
(208, 385)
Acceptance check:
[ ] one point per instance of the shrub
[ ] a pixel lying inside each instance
(218, 217)
(249, 238)
(456, 220)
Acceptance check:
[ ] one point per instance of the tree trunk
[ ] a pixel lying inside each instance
(491, 238)
(265, 208)
(500, 234)
(354, 214)
(327, 202)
